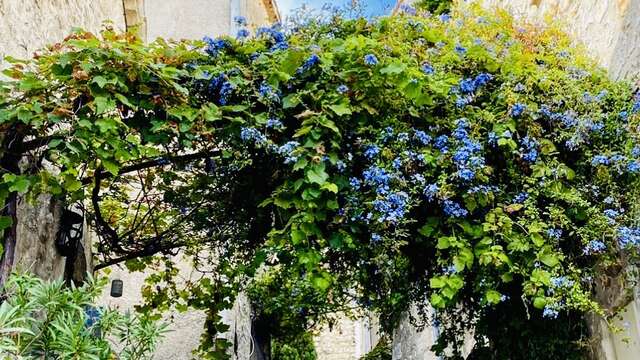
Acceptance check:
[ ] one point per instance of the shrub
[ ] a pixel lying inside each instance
(49, 320)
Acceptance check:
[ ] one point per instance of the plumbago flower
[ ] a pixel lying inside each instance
(396, 162)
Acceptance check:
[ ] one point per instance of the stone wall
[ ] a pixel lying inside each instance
(27, 25)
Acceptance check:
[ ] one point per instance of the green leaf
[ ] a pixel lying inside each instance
(107, 124)
(549, 259)
(104, 104)
(437, 283)
(5, 222)
(20, 185)
(341, 109)
(492, 296)
(393, 68)
(539, 302)
(123, 99)
(111, 167)
(443, 243)
(290, 101)
(100, 81)
(316, 174)
(330, 187)
(298, 236)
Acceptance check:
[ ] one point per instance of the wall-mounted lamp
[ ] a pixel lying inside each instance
(69, 232)
(116, 288)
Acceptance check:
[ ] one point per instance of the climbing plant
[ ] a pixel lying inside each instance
(464, 161)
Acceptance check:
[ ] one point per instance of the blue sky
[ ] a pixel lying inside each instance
(371, 7)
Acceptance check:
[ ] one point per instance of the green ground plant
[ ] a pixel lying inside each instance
(50, 320)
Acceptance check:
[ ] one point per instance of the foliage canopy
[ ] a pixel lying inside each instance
(463, 161)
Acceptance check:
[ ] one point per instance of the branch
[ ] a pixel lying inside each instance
(153, 163)
(150, 249)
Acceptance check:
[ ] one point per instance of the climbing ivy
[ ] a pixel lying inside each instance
(462, 161)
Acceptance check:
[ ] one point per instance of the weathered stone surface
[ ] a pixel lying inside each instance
(27, 25)
(338, 342)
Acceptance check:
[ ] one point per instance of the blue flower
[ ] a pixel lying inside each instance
(554, 233)
(599, 160)
(561, 281)
(462, 101)
(594, 246)
(518, 109)
(214, 46)
(375, 238)
(342, 89)
(354, 183)
(408, 9)
(445, 17)
(378, 178)
(520, 198)
(266, 91)
(519, 87)
(223, 87)
(392, 208)
(427, 69)
(397, 163)
(482, 79)
(634, 166)
(274, 123)
(341, 166)
(529, 149)
(550, 313)
(243, 34)
(492, 138)
(453, 209)
(460, 50)
(240, 20)
(441, 143)
(466, 174)
(430, 191)
(248, 134)
(611, 215)
(403, 137)
(467, 86)
(312, 61)
(371, 151)
(628, 236)
(482, 189)
(370, 60)
(422, 137)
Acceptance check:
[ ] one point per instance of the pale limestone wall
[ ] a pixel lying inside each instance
(27, 25)
(187, 19)
(338, 343)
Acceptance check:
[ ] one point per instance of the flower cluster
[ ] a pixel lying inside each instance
(220, 86)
